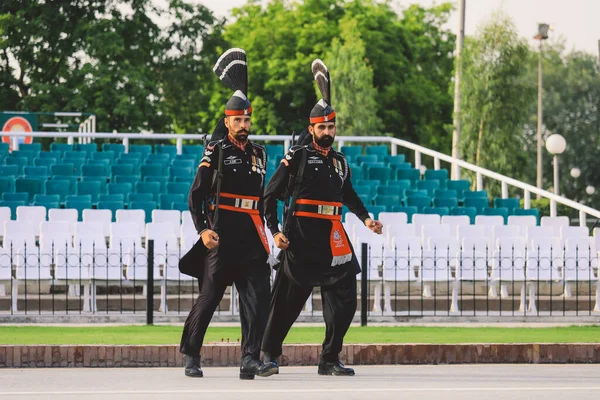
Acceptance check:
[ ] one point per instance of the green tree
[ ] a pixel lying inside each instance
(495, 97)
(354, 97)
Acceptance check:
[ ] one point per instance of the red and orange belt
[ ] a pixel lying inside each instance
(340, 246)
(247, 205)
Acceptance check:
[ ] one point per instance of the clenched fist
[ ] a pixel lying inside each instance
(281, 241)
(375, 226)
(209, 238)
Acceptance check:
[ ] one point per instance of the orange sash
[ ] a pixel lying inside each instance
(338, 241)
(245, 202)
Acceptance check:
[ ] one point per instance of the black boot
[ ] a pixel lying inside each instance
(335, 368)
(252, 367)
(192, 366)
(269, 359)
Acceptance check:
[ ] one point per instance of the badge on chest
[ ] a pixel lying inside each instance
(258, 165)
(337, 165)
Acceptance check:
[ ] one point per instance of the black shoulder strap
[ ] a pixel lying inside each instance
(219, 180)
(295, 183)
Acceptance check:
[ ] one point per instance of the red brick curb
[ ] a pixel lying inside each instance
(225, 355)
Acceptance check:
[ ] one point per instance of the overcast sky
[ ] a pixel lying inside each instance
(576, 20)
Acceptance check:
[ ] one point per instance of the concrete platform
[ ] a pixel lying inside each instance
(464, 382)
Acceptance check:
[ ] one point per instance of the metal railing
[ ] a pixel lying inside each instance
(394, 143)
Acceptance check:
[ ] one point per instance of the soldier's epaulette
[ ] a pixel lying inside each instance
(212, 144)
(290, 154)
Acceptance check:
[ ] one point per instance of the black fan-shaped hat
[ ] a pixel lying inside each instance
(322, 111)
(232, 70)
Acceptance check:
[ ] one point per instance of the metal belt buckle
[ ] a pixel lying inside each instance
(247, 204)
(327, 210)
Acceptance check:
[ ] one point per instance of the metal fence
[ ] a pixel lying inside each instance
(438, 281)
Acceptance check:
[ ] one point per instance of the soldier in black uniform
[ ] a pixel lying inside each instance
(236, 241)
(315, 248)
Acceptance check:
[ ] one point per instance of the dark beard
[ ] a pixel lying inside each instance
(241, 135)
(325, 141)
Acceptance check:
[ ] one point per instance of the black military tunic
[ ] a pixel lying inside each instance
(241, 257)
(308, 260)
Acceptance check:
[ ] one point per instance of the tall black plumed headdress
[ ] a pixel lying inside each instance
(322, 111)
(232, 70)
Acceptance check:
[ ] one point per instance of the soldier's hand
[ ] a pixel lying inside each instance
(281, 241)
(210, 238)
(375, 226)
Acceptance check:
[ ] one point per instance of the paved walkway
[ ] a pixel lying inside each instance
(464, 382)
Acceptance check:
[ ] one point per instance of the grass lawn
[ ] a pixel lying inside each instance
(172, 335)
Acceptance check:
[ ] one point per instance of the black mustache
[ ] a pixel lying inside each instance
(243, 130)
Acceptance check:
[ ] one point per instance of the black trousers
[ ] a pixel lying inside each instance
(287, 301)
(254, 291)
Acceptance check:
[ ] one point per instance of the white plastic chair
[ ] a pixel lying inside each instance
(508, 265)
(136, 217)
(454, 221)
(102, 216)
(489, 221)
(580, 261)
(172, 217)
(522, 221)
(555, 223)
(69, 215)
(437, 261)
(544, 254)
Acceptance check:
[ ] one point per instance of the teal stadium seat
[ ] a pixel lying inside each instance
(510, 203)
(366, 159)
(46, 204)
(531, 211)
(41, 172)
(409, 211)
(115, 197)
(44, 162)
(352, 151)
(55, 155)
(62, 169)
(191, 164)
(501, 211)
(387, 200)
(178, 188)
(111, 205)
(175, 172)
(430, 185)
(470, 212)
(391, 190)
(152, 170)
(132, 156)
(76, 197)
(480, 194)
(195, 149)
(79, 205)
(139, 197)
(7, 184)
(274, 150)
(436, 210)
(79, 155)
(147, 206)
(366, 166)
(71, 179)
(104, 163)
(382, 174)
(122, 170)
(61, 187)
(163, 159)
(165, 149)
(144, 149)
(376, 210)
(87, 147)
(404, 165)
(104, 155)
(363, 190)
(419, 202)
(416, 193)
(401, 183)
(149, 187)
(46, 198)
(19, 162)
(17, 196)
(161, 180)
(61, 147)
(120, 188)
(166, 200)
(380, 151)
(9, 170)
(94, 170)
(413, 175)
(447, 202)
(32, 186)
(4, 148)
(133, 179)
(478, 202)
(440, 175)
(393, 160)
(117, 148)
(35, 147)
(29, 155)
(181, 206)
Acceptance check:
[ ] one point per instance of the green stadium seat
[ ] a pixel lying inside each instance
(180, 206)
(61, 147)
(510, 203)
(147, 206)
(178, 188)
(471, 212)
(419, 202)
(115, 197)
(480, 194)
(123, 170)
(89, 188)
(7, 184)
(174, 171)
(32, 186)
(165, 149)
(89, 148)
(148, 187)
(430, 185)
(62, 169)
(120, 188)
(35, 147)
(416, 193)
(195, 149)
(448, 202)
(111, 205)
(133, 179)
(413, 175)
(69, 155)
(144, 149)
(360, 160)
(19, 162)
(531, 211)
(191, 164)
(375, 210)
(140, 197)
(18, 196)
(380, 151)
(79, 205)
(41, 172)
(409, 211)
(440, 175)
(502, 211)
(436, 210)
(46, 198)
(478, 202)
(104, 155)
(9, 170)
(13, 207)
(382, 174)
(461, 186)
(166, 200)
(100, 179)
(94, 170)
(387, 200)
(61, 187)
(55, 155)
(152, 170)
(46, 204)
(116, 148)
(76, 197)
(44, 162)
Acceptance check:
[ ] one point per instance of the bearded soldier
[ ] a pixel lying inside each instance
(229, 184)
(315, 248)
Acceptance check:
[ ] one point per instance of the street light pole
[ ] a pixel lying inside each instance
(556, 145)
(556, 190)
(459, 45)
(541, 36)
